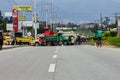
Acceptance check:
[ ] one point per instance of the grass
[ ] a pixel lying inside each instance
(89, 42)
(115, 41)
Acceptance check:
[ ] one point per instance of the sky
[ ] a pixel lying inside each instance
(76, 11)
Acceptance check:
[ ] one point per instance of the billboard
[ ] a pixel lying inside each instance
(15, 20)
(8, 14)
(27, 23)
(21, 18)
(14, 12)
(9, 27)
(23, 8)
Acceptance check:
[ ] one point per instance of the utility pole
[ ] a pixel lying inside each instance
(35, 19)
(107, 22)
(116, 22)
(101, 20)
(46, 13)
(51, 15)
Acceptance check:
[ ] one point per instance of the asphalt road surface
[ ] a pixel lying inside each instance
(60, 63)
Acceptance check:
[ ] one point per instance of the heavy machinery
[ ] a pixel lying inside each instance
(70, 33)
(58, 39)
(7, 40)
(52, 38)
(27, 40)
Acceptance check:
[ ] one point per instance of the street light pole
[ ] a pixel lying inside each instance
(46, 13)
(35, 19)
(51, 15)
(101, 21)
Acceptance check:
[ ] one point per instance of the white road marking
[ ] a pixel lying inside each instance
(52, 68)
(54, 56)
(56, 51)
(56, 48)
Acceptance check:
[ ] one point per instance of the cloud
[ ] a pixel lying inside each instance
(72, 10)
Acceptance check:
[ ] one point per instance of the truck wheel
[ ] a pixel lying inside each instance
(49, 43)
(65, 43)
(60, 43)
(55, 43)
(36, 44)
(20, 43)
(28, 43)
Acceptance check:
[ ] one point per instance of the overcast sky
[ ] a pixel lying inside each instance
(73, 10)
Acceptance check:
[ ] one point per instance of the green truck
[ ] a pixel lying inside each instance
(58, 39)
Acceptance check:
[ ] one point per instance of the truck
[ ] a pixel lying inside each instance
(55, 38)
(27, 40)
(68, 32)
(58, 39)
(7, 40)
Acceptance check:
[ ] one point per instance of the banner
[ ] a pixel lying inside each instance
(23, 8)
(8, 14)
(9, 27)
(22, 18)
(14, 13)
(15, 21)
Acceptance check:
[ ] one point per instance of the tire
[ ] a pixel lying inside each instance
(20, 43)
(28, 43)
(65, 43)
(36, 44)
(60, 43)
(49, 43)
(55, 43)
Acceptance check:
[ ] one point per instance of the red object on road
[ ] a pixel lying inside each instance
(48, 32)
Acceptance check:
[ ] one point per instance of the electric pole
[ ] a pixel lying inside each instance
(35, 19)
(46, 13)
(107, 19)
(116, 22)
(51, 15)
(101, 20)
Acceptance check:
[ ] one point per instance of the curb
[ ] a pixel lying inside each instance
(10, 47)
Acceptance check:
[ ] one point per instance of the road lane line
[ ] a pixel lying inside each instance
(54, 56)
(52, 68)
(56, 48)
(56, 51)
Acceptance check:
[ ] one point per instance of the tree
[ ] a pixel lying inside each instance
(1, 21)
(106, 23)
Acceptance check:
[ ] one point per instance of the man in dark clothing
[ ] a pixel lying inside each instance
(1, 40)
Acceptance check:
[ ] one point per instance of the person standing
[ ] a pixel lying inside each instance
(99, 37)
(1, 40)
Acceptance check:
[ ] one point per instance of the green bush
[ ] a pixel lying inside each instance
(110, 34)
(106, 34)
(115, 41)
(113, 33)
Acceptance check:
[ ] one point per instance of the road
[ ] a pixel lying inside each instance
(60, 63)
